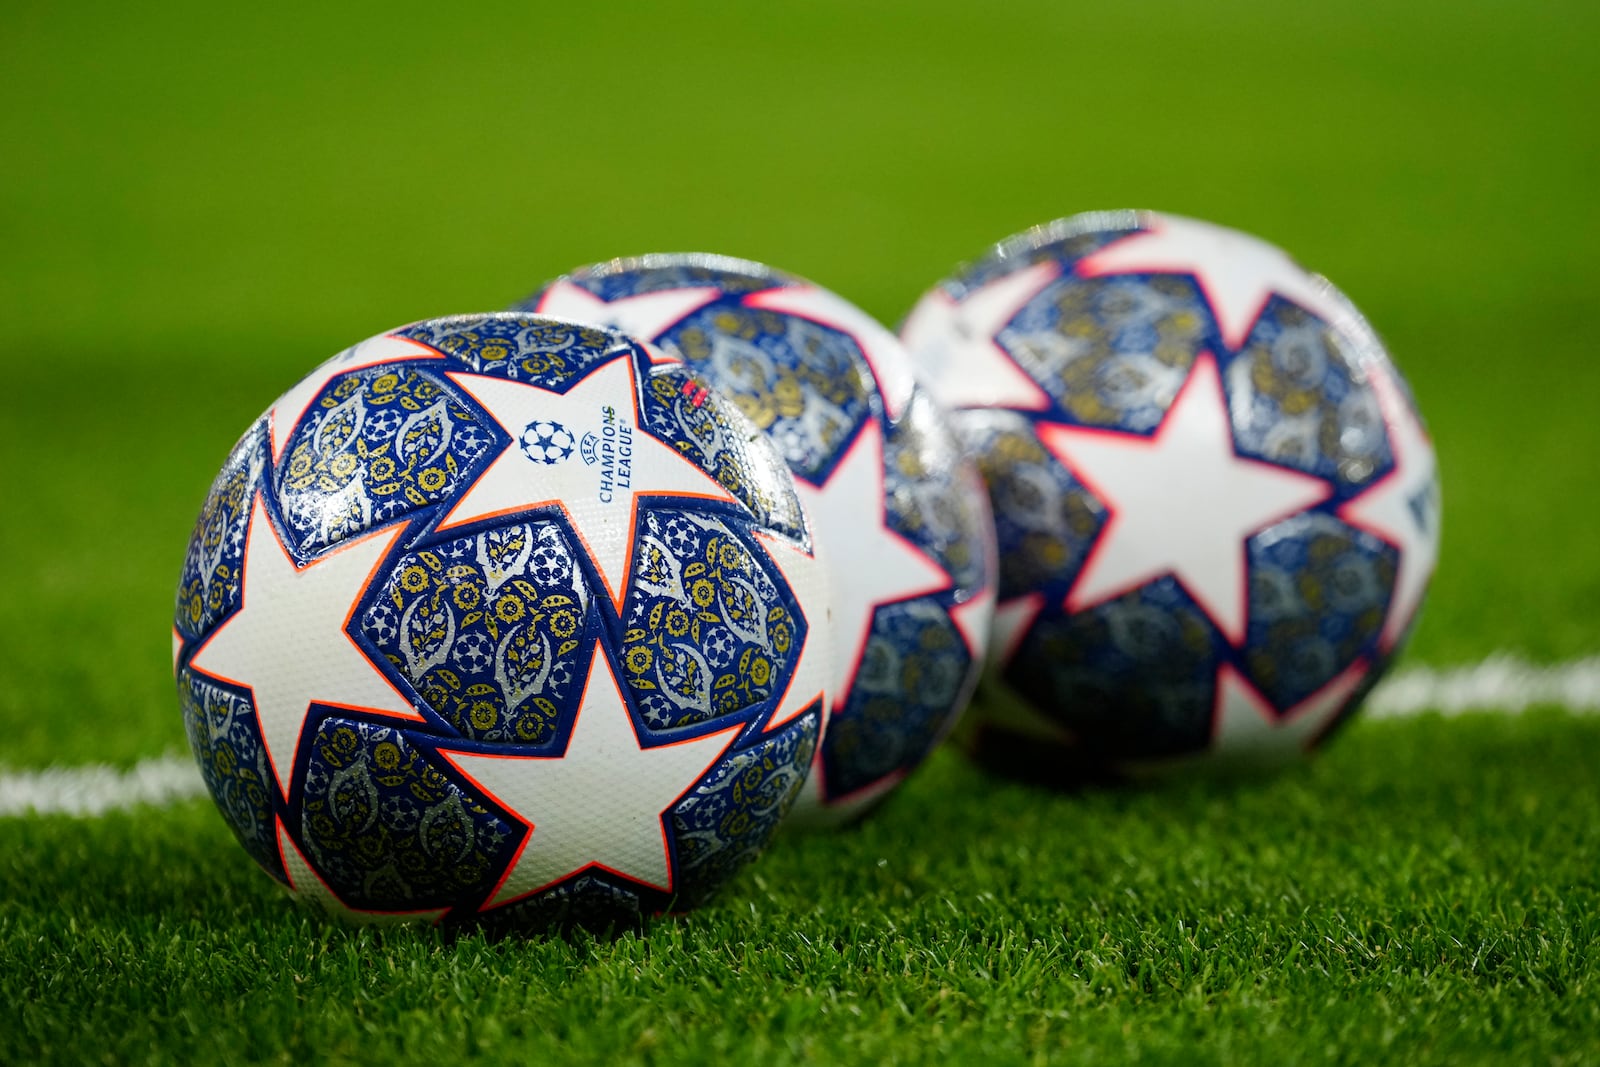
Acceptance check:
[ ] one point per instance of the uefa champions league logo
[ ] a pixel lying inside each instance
(547, 442)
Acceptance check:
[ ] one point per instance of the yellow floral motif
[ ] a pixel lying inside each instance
(234, 764)
(509, 608)
(715, 607)
(702, 429)
(528, 631)
(482, 715)
(1085, 308)
(384, 862)
(563, 621)
(778, 389)
(788, 397)
(210, 581)
(418, 466)
(1282, 380)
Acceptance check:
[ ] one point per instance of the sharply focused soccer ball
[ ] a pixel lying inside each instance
(1216, 504)
(502, 614)
(899, 511)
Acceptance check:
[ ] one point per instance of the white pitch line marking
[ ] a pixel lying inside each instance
(97, 788)
(1502, 683)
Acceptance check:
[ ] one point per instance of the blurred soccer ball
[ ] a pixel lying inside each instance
(899, 511)
(502, 614)
(1216, 504)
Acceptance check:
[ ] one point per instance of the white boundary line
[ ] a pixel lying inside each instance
(1502, 683)
(96, 789)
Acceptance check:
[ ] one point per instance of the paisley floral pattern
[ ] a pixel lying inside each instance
(226, 741)
(1112, 351)
(376, 445)
(678, 409)
(1300, 399)
(1318, 589)
(208, 590)
(390, 829)
(1045, 520)
(807, 386)
(520, 347)
(1134, 676)
(915, 669)
(494, 631)
(933, 498)
(707, 631)
(726, 821)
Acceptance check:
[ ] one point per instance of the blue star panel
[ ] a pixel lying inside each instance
(391, 830)
(494, 631)
(375, 446)
(208, 590)
(722, 825)
(706, 633)
(226, 741)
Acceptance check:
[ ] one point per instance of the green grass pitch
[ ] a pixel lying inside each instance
(199, 203)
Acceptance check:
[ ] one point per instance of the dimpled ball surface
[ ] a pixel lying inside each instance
(500, 614)
(899, 510)
(1217, 507)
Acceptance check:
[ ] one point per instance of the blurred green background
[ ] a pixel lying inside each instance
(199, 202)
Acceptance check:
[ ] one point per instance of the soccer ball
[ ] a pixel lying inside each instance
(899, 510)
(1217, 508)
(501, 614)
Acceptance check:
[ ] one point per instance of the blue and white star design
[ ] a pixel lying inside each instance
(289, 642)
(602, 803)
(600, 501)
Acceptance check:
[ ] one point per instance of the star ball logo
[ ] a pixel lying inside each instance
(548, 442)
